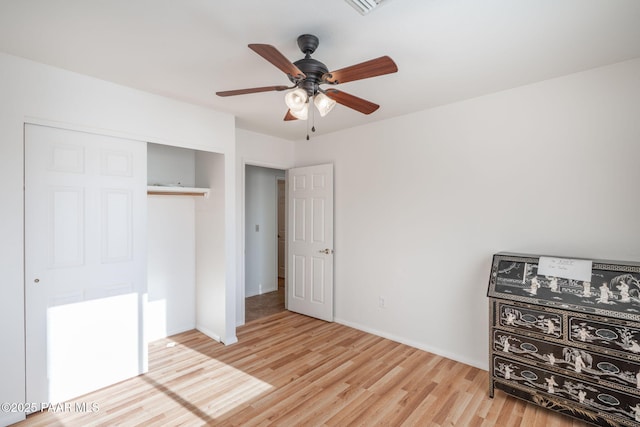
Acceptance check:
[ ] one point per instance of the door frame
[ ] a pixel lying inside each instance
(284, 180)
(242, 231)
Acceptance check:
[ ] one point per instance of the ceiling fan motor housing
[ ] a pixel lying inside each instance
(312, 68)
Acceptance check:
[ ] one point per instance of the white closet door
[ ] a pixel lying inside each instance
(85, 261)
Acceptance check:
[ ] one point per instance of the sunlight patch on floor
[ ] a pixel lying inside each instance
(211, 392)
(239, 389)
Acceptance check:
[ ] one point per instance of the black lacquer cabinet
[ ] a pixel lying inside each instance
(571, 346)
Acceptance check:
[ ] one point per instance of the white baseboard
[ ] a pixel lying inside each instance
(209, 333)
(216, 337)
(230, 340)
(484, 365)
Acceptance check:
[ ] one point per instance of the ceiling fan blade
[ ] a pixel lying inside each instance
(358, 104)
(364, 70)
(289, 116)
(252, 90)
(274, 56)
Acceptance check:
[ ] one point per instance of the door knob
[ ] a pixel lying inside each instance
(326, 251)
(36, 281)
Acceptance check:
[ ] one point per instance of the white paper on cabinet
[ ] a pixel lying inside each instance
(576, 269)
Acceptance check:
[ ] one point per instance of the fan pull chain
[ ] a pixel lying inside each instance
(313, 118)
(313, 115)
(308, 124)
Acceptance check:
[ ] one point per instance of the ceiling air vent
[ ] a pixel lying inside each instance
(364, 6)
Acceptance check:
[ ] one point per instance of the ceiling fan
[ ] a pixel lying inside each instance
(308, 74)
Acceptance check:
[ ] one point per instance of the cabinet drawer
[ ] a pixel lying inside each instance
(531, 320)
(566, 393)
(609, 335)
(587, 365)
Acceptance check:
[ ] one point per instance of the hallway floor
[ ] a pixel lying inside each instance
(259, 306)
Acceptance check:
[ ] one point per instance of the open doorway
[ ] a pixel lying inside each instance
(265, 239)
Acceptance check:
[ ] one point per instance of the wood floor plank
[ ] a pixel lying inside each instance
(292, 370)
(469, 411)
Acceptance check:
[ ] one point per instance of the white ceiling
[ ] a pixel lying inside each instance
(446, 50)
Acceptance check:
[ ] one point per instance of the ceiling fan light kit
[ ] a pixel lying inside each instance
(307, 74)
(323, 103)
(301, 113)
(296, 99)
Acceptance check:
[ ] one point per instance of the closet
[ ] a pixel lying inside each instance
(185, 196)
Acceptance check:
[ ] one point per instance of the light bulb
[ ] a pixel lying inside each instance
(296, 99)
(323, 103)
(301, 113)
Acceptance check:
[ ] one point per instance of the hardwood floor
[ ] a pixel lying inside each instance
(292, 370)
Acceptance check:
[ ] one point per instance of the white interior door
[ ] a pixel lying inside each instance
(310, 241)
(85, 261)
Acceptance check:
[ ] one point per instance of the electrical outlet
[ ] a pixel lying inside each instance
(382, 303)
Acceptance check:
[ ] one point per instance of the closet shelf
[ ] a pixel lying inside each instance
(159, 190)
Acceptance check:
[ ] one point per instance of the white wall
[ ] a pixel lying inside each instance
(41, 94)
(261, 245)
(259, 150)
(424, 200)
(212, 251)
(171, 266)
(172, 166)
